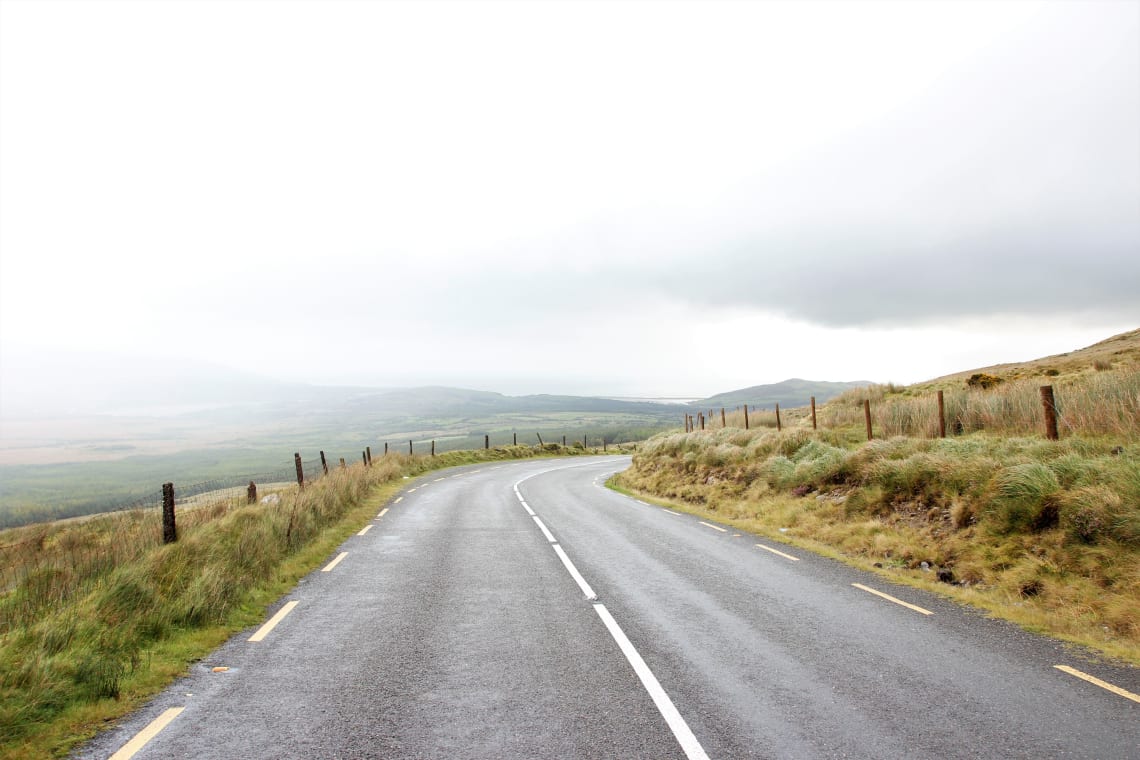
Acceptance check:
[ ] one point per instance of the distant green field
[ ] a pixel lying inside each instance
(34, 493)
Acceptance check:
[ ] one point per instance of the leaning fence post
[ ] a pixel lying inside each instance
(1050, 405)
(778, 426)
(324, 464)
(169, 531)
(941, 416)
(746, 416)
(867, 416)
(251, 493)
(364, 456)
(300, 471)
(540, 444)
(813, 427)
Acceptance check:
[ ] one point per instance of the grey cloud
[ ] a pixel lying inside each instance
(887, 280)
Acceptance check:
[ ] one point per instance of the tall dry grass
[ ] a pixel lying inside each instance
(1097, 404)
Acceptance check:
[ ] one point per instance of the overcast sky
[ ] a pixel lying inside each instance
(594, 197)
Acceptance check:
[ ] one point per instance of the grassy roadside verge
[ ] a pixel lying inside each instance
(104, 616)
(1044, 534)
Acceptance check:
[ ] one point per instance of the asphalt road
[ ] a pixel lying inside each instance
(460, 626)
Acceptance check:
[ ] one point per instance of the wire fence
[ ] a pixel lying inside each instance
(1104, 404)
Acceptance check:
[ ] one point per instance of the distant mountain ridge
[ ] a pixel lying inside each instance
(788, 393)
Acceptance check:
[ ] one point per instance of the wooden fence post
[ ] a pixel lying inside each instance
(169, 531)
(342, 464)
(583, 441)
(251, 493)
(867, 416)
(515, 439)
(539, 436)
(746, 416)
(486, 440)
(324, 464)
(1050, 405)
(368, 455)
(723, 423)
(433, 448)
(411, 451)
(813, 427)
(941, 416)
(702, 416)
(364, 457)
(300, 471)
(563, 441)
(778, 426)
(385, 448)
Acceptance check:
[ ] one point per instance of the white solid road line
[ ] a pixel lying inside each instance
(689, 744)
(577, 576)
(545, 532)
(140, 739)
(684, 735)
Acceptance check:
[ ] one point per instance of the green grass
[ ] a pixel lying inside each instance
(96, 616)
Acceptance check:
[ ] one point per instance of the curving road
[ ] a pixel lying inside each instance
(522, 610)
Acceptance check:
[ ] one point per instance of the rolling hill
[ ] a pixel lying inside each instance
(789, 393)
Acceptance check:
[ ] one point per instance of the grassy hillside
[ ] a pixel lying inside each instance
(1045, 533)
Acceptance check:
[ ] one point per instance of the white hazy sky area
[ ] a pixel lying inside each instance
(652, 198)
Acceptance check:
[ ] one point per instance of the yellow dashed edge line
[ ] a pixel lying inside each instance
(890, 598)
(1102, 684)
(777, 551)
(270, 624)
(140, 739)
